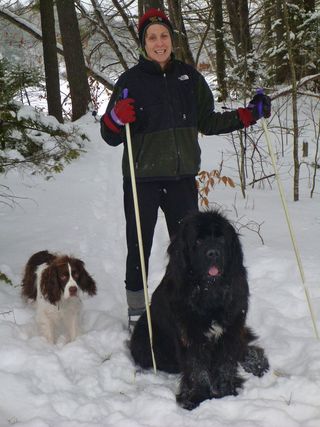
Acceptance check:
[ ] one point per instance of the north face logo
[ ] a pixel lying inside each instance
(183, 77)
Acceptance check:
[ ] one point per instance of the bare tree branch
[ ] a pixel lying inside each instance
(37, 34)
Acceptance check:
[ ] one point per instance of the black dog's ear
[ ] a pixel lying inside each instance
(174, 250)
(236, 254)
(180, 249)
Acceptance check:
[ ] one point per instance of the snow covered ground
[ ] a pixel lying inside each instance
(93, 382)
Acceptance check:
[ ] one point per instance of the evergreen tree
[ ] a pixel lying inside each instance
(29, 139)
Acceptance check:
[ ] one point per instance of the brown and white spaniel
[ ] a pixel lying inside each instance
(55, 283)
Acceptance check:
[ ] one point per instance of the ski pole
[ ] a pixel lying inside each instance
(139, 234)
(287, 215)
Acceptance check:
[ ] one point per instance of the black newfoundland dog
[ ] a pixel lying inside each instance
(199, 313)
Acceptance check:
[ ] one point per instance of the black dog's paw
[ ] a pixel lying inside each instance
(208, 385)
(189, 399)
(228, 389)
(186, 402)
(227, 386)
(195, 389)
(255, 361)
(225, 380)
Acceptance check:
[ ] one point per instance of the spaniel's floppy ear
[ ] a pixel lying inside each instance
(49, 284)
(29, 288)
(85, 282)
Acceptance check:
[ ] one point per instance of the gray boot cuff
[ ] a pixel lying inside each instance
(135, 299)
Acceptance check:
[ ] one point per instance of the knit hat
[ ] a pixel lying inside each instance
(152, 16)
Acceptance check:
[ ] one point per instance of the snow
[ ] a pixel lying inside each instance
(92, 382)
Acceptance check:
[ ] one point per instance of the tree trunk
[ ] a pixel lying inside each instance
(267, 27)
(316, 159)
(182, 48)
(74, 59)
(281, 65)
(233, 12)
(239, 23)
(144, 5)
(50, 58)
(220, 49)
(246, 43)
(108, 35)
(125, 18)
(25, 26)
(309, 5)
(294, 105)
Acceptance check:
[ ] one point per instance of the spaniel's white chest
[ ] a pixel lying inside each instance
(61, 317)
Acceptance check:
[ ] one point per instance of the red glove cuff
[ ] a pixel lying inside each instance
(246, 116)
(110, 124)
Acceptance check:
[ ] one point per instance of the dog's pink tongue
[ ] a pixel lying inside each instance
(213, 271)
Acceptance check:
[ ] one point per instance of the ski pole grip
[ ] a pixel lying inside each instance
(260, 91)
(125, 93)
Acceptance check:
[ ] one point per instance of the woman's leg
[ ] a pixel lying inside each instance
(178, 198)
(149, 200)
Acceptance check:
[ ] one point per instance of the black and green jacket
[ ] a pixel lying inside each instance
(172, 107)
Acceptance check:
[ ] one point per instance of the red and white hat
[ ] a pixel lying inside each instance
(153, 16)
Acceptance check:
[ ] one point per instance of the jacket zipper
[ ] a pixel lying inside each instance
(173, 127)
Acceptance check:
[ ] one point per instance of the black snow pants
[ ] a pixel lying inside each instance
(176, 198)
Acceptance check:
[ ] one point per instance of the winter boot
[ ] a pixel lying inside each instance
(136, 307)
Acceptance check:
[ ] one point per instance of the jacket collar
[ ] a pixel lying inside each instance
(152, 67)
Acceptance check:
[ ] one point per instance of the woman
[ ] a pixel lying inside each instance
(169, 103)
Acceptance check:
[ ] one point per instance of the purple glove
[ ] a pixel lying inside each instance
(260, 106)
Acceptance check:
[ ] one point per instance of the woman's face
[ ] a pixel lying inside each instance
(158, 44)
